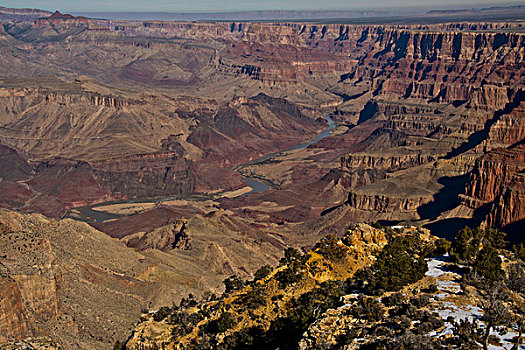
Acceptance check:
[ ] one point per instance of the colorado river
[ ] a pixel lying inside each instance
(259, 186)
(89, 214)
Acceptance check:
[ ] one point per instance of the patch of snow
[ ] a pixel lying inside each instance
(440, 296)
(469, 312)
(352, 296)
(448, 286)
(506, 341)
(446, 309)
(434, 268)
(449, 329)
(435, 264)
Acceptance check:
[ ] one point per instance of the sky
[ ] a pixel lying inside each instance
(73, 6)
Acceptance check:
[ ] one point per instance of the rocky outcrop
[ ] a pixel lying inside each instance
(376, 161)
(281, 64)
(74, 184)
(77, 286)
(92, 99)
(198, 30)
(445, 93)
(12, 165)
(163, 173)
(383, 203)
(416, 105)
(187, 145)
(240, 130)
(427, 66)
(359, 246)
(39, 343)
(432, 56)
(24, 14)
(509, 129)
(24, 11)
(29, 293)
(59, 18)
(493, 171)
(317, 272)
(13, 320)
(73, 97)
(47, 187)
(496, 184)
(165, 238)
(509, 208)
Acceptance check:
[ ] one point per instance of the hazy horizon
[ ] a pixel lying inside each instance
(217, 6)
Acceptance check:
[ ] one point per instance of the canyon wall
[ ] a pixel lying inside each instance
(410, 95)
(496, 184)
(448, 94)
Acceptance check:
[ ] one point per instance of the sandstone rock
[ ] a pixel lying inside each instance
(497, 184)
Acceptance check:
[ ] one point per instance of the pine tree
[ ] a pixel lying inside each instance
(488, 264)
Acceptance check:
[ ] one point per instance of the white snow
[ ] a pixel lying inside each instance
(446, 282)
(433, 267)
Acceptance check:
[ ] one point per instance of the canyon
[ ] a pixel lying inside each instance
(156, 134)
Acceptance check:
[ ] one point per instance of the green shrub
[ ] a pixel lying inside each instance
(245, 339)
(330, 248)
(119, 346)
(161, 314)
(488, 264)
(262, 272)
(285, 332)
(184, 323)
(225, 321)
(441, 246)
(420, 300)
(386, 229)
(255, 297)
(431, 289)
(467, 333)
(398, 265)
(466, 245)
(291, 256)
(494, 238)
(519, 250)
(393, 300)
(516, 281)
(292, 273)
(233, 283)
(368, 309)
